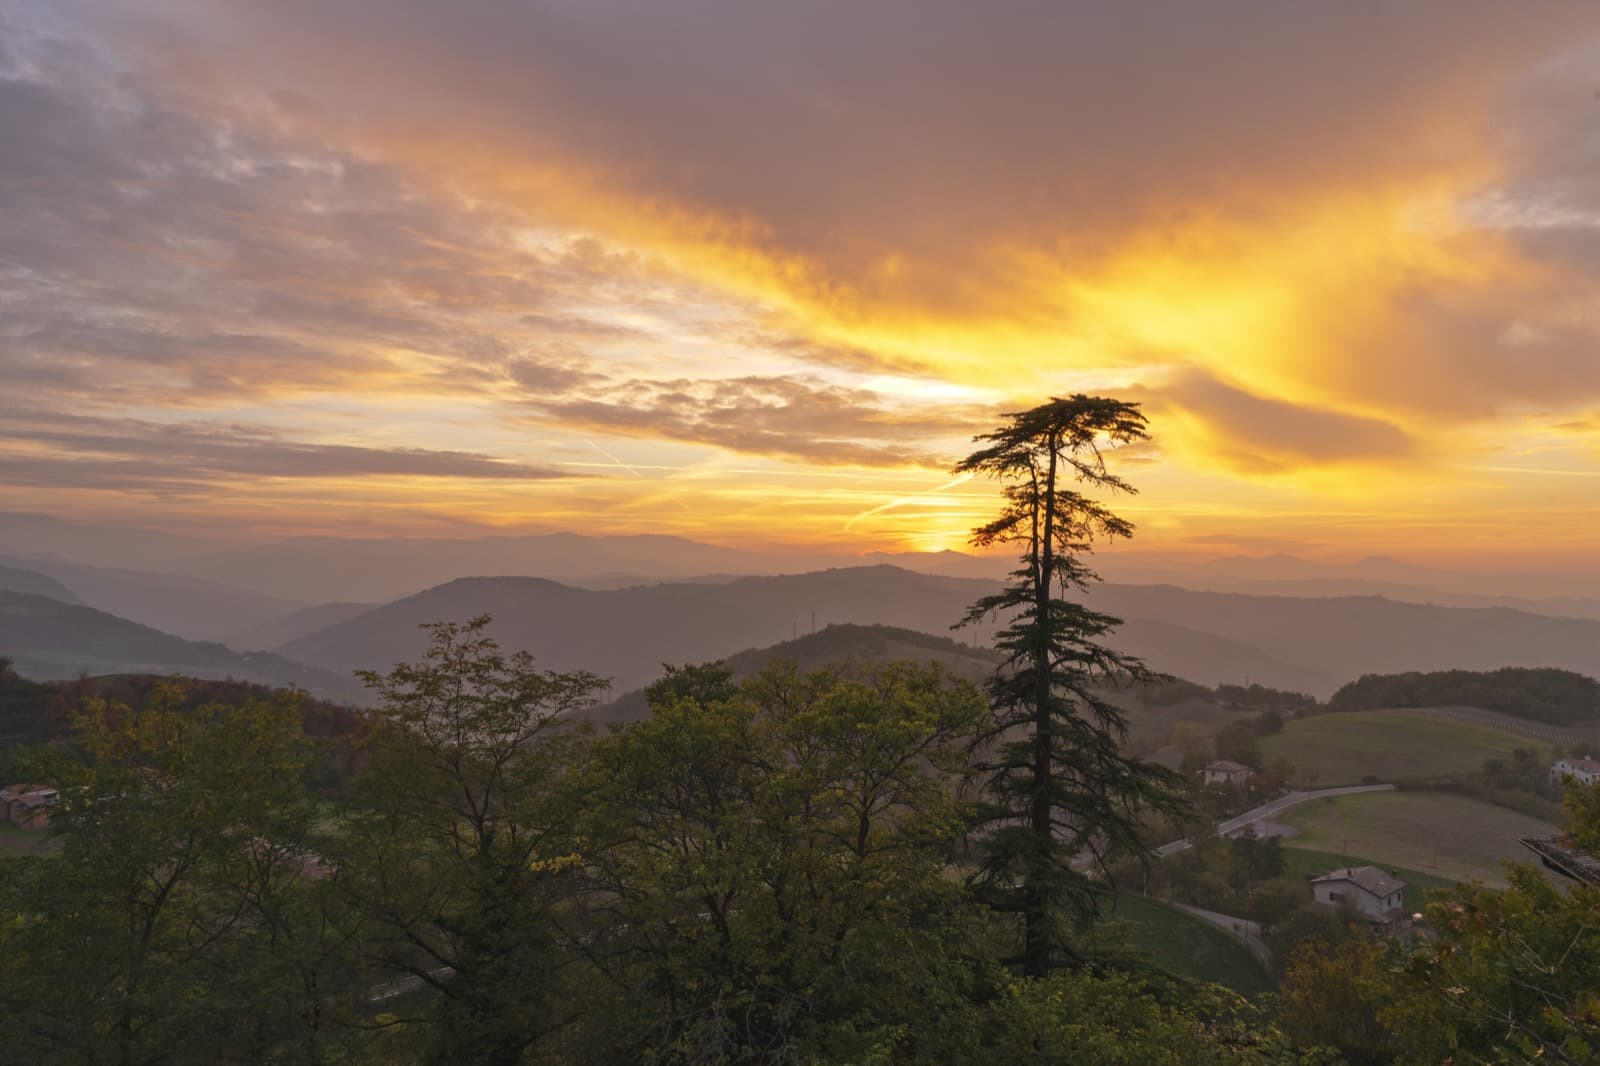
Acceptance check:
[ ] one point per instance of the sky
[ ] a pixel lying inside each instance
(756, 274)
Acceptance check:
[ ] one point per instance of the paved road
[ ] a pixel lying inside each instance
(1243, 930)
(1266, 811)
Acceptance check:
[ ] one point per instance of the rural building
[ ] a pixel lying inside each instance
(1584, 771)
(1226, 772)
(28, 805)
(1375, 894)
(1558, 854)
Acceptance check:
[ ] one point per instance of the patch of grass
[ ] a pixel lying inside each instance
(1189, 947)
(1437, 834)
(1342, 749)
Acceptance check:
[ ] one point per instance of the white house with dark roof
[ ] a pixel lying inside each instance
(1226, 772)
(1583, 771)
(1377, 895)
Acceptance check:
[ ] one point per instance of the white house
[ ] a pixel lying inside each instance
(1375, 894)
(1226, 772)
(1583, 771)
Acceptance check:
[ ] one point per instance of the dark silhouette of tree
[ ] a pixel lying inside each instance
(1060, 792)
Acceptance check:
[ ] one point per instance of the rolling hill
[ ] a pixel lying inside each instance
(50, 640)
(628, 633)
(16, 579)
(190, 607)
(296, 624)
(836, 644)
(1312, 645)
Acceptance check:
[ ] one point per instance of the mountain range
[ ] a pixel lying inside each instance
(1307, 644)
(48, 640)
(83, 618)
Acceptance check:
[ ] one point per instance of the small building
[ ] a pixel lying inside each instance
(1226, 772)
(28, 805)
(1378, 896)
(1583, 771)
(1559, 854)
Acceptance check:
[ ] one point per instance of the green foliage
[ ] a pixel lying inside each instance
(1072, 1018)
(1512, 976)
(1582, 805)
(177, 922)
(1065, 787)
(1253, 859)
(778, 878)
(1333, 994)
(1272, 699)
(460, 866)
(1560, 697)
(1237, 741)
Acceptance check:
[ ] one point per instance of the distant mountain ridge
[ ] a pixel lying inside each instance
(48, 640)
(1311, 645)
(628, 633)
(190, 607)
(17, 579)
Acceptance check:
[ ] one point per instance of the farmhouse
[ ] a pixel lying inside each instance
(28, 805)
(1375, 894)
(1583, 771)
(1226, 772)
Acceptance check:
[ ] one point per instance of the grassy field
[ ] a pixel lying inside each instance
(1438, 834)
(1341, 749)
(1186, 946)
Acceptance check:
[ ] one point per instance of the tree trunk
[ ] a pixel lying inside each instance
(1036, 942)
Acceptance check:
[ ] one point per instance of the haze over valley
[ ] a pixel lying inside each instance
(574, 532)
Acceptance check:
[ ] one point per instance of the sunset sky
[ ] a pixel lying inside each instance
(757, 272)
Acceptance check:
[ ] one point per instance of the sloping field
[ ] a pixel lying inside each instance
(1189, 947)
(1342, 749)
(1437, 833)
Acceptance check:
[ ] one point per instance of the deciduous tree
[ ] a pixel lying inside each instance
(460, 866)
(780, 889)
(176, 923)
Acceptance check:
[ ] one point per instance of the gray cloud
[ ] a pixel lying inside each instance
(924, 128)
(793, 418)
(62, 450)
(1264, 435)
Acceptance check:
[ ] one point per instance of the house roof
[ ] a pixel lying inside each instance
(1368, 878)
(1588, 766)
(1227, 766)
(1560, 856)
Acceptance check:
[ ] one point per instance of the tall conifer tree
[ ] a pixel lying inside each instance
(1062, 796)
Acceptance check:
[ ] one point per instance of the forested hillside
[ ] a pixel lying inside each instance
(1559, 697)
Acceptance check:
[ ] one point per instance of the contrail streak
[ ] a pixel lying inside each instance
(634, 472)
(922, 497)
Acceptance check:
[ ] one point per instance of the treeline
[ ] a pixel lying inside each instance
(774, 871)
(759, 872)
(1559, 697)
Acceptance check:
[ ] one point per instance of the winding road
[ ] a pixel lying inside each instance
(1265, 812)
